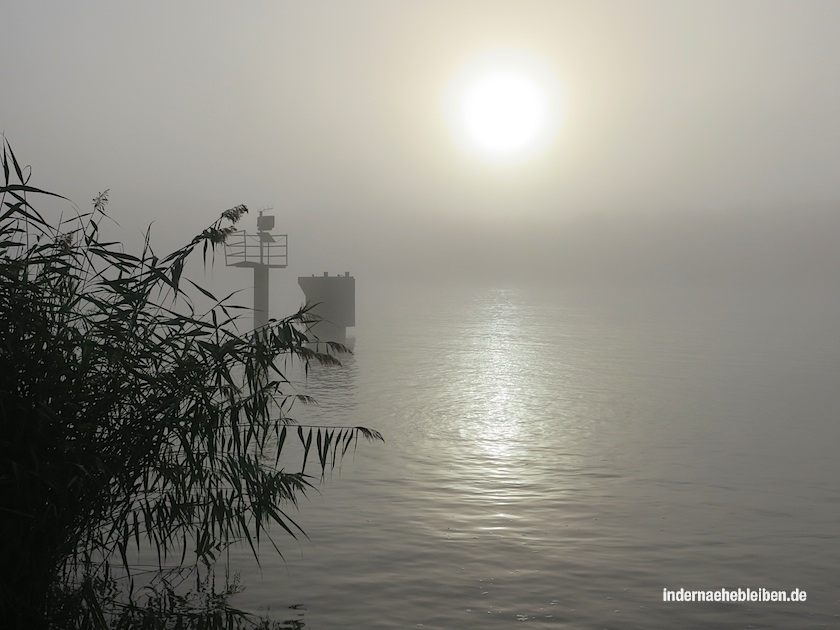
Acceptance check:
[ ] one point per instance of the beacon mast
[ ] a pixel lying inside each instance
(261, 251)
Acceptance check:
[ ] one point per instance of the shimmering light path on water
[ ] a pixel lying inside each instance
(558, 461)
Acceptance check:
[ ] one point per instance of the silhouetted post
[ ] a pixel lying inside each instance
(261, 251)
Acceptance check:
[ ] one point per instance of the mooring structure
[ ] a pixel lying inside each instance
(261, 251)
(334, 300)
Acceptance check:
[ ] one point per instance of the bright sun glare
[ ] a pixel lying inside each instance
(503, 106)
(504, 111)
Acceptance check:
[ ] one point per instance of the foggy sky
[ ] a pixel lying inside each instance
(699, 144)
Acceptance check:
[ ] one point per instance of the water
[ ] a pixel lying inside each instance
(558, 460)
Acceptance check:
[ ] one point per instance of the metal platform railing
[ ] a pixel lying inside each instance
(251, 250)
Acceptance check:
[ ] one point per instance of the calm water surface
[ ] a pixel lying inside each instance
(557, 461)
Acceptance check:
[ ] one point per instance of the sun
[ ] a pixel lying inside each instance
(503, 107)
(503, 111)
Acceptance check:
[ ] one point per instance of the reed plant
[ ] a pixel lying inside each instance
(131, 420)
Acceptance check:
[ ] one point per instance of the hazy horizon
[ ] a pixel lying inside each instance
(695, 144)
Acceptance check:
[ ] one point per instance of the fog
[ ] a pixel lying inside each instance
(697, 145)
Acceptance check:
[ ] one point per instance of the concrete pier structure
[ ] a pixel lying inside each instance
(334, 298)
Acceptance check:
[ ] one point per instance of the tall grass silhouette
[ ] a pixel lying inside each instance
(129, 420)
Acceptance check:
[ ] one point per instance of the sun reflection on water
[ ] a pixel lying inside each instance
(493, 378)
(506, 426)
